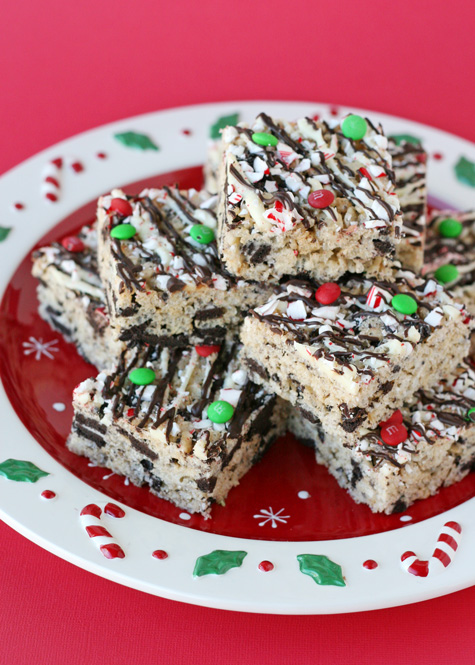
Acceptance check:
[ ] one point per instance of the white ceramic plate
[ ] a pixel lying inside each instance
(55, 525)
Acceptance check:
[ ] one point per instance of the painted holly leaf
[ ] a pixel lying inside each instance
(221, 123)
(4, 231)
(218, 562)
(399, 138)
(21, 471)
(135, 140)
(322, 569)
(465, 171)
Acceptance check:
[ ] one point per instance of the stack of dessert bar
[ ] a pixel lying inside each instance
(288, 293)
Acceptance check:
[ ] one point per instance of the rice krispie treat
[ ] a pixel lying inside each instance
(307, 197)
(351, 352)
(186, 422)
(160, 269)
(410, 168)
(72, 299)
(450, 253)
(424, 446)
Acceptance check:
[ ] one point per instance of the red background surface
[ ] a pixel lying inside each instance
(66, 69)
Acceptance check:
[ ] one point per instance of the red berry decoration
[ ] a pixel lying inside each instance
(121, 206)
(393, 435)
(266, 566)
(395, 419)
(205, 351)
(327, 293)
(322, 198)
(73, 244)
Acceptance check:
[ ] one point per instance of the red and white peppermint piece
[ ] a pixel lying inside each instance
(375, 299)
(296, 310)
(235, 198)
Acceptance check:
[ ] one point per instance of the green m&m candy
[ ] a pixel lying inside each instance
(142, 376)
(202, 234)
(450, 228)
(404, 304)
(123, 231)
(220, 411)
(263, 138)
(354, 127)
(446, 274)
(471, 414)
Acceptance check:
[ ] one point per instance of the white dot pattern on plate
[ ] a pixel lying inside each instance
(59, 406)
(405, 518)
(184, 516)
(303, 494)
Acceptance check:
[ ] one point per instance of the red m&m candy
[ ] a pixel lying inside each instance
(393, 435)
(205, 351)
(321, 198)
(327, 293)
(121, 206)
(73, 244)
(395, 419)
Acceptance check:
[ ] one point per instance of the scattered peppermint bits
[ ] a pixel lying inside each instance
(73, 244)
(393, 435)
(303, 494)
(121, 206)
(142, 376)
(354, 127)
(206, 350)
(370, 564)
(450, 228)
(265, 139)
(446, 274)
(202, 234)
(220, 412)
(59, 406)
(321, 198)
(123, 232)
(471, 415)
(327, 293)
(160, 554)
(266, 566)
(404, 304)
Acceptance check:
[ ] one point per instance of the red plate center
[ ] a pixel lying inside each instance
(287, 496)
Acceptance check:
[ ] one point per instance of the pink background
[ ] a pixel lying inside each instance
(64, 70)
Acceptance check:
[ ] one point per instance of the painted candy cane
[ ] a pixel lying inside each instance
(51, 185)
(90, 517)
(446, 546)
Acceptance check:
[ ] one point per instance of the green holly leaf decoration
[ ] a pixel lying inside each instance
(221, 123)
(4, 231)
(135, 140)
(322, 569)
(21, 471)
(399, 138)
(218, 562)
(465, 171)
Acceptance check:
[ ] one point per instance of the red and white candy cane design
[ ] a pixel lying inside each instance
(374, 299)
(51, 185)
(446, 546)
(90, 517)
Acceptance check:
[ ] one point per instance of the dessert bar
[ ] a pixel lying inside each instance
(186, 422)
(307, 197)
(426, 445)
(351, 352)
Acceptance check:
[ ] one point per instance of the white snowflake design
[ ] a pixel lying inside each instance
(40, 348)
(268, 515)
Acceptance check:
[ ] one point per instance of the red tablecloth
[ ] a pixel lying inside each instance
(65, 69)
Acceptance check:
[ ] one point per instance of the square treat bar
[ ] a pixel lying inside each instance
(310, 201)
(450, 253)
(165, 284)
(350, 353)
(163, 435)
(435, 447)
(72, 299)
(410, 168)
